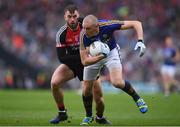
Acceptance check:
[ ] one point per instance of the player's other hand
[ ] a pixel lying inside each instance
(140, 45)
(105, 49)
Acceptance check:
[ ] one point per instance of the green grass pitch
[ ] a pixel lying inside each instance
(37, 107)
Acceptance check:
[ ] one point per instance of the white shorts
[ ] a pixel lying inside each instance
(168, 70)
(111, 61)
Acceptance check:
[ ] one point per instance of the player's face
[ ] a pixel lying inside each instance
(92, 30)
(72, 19)
(168, 42)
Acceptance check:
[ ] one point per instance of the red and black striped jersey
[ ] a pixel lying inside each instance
(67, 43)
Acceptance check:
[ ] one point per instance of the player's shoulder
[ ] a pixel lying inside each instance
(60, 35)
(62, 29)
(105, 22)
(80, 20)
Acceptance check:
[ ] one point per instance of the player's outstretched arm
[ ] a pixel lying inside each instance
(137, 26)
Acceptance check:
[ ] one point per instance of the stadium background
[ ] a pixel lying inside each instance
(28, 28)
(27, 40)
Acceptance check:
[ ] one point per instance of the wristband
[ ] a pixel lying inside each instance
(140, 40)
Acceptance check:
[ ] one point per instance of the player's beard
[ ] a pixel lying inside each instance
(73, 26)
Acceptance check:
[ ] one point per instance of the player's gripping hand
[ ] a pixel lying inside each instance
(140, 45)
(105, 49)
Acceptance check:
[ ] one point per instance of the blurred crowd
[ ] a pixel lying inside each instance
(28, 28)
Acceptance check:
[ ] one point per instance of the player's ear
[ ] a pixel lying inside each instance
(64, 16)
(78, 15)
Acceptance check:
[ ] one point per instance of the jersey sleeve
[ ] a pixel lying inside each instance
(112, 25)
(60, 44)
(60, 36)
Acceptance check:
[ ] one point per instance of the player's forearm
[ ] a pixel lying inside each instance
(87, 60)
(139, 30)
(93, 60)
(136, 25)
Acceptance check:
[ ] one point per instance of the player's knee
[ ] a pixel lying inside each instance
(99, 100)
(118, 84)
(87, 92)
(87, 88)
(55, 84)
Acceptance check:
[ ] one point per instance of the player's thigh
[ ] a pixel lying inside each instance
(113, 63)
(116, 77)
(91, 72)
(97, 90)
(62, 74)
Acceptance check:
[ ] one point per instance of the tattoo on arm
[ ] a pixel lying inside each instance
(82, 47)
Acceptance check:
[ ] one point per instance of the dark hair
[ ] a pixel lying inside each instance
(71, 8)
